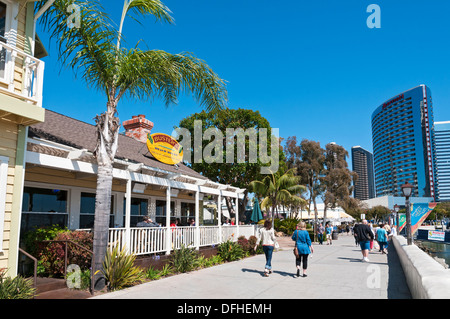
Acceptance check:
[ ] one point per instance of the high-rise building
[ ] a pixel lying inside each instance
(403, 144)
(362, 164)
(442, 140)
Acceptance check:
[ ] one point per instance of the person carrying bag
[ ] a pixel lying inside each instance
(303, 247)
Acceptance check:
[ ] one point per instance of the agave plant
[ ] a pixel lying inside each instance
(119, 269)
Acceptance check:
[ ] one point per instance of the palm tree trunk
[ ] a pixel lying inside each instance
(101, 222)
(107, 140)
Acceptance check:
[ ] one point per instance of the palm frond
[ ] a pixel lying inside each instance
(88, 48)
(156, 73)
(150, 7)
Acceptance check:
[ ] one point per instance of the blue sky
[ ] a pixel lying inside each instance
(312, 68)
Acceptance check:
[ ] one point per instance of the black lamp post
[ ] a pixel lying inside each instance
(407, 190)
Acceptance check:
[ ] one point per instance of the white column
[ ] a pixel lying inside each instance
(168, 230)
(128, 216)
(197, 220)
(237, 216)
(219, 214)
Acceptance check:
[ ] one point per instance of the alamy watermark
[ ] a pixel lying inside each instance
(213, 152)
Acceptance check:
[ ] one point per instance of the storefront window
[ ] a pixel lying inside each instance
(139, 209)
(43, 207)
(87, 211)
(187, 212)
(161, 211)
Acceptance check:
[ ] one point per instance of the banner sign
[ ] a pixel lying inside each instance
(401, 221)
(436, 235)
(419, 212)
(165, 148)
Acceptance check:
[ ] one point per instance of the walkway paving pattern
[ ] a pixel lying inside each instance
(334, 271)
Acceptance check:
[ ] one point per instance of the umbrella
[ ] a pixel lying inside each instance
(256, 213)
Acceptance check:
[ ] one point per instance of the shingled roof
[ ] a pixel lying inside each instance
(68, 131)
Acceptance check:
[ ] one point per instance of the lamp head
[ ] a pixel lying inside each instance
(407, 189)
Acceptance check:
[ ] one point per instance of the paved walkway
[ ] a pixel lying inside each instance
(334, 271)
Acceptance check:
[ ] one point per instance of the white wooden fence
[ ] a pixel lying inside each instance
(149, 240)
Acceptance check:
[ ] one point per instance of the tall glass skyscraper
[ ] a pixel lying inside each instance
(362, 164)
(442, 138)
(403, 144)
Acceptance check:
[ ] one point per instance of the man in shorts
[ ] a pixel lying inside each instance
(364, 236)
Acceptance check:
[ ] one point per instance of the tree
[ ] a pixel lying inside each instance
(337, 178)
(94, 49)
(278, 188)
(239, 171)
(309, 159)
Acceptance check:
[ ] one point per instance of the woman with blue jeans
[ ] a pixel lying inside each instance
(303, 242)
(267, 237)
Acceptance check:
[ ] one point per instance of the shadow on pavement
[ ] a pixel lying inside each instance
(397, 286)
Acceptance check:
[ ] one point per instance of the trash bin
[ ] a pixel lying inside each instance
(334, 235)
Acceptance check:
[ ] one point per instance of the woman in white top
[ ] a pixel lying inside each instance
(267, 237)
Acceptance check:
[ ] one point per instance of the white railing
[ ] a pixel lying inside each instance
(150, 240)
(32, 76)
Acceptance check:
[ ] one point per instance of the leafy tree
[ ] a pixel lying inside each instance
(94, 48)
(337, 178)
(236, 171)
(308, 159)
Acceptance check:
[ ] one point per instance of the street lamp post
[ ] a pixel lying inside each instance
(407, 190)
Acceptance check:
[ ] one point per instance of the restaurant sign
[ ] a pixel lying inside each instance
(165, 148)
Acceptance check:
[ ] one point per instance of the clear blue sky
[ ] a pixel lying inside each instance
(312, 68)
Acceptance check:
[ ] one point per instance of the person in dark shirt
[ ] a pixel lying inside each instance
(364, 235)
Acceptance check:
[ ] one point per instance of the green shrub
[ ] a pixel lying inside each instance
(119, 269)
(32, 239)
(166, 271)
(152, 273)
(287, 226)
(15, 288)
(184, 259)
(51, 256)
(230, 251)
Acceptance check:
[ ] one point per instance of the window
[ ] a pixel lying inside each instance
(3, 182)
(43, 207)
(161, 211)
(87, 211)
(139, 209)
(187, 212)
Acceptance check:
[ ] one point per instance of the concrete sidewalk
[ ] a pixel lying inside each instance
(334, 271)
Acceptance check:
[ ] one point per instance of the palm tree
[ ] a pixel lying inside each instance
(94, 49)
(278, 188)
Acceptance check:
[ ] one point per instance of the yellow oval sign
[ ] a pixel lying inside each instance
(165, 148)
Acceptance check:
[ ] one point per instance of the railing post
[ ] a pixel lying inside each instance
(128, 217)
(168, 232)
(197, 220)
(219, 215)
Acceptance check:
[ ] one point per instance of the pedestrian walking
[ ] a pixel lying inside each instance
(320, 231)
(267, 237)
(329, 232)
(382, 238)
(364, 235)
(304, 246)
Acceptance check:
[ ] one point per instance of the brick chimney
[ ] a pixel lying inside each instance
(138, 127)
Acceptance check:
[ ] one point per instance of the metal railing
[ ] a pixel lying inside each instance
(66, 250)
(35, 265)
